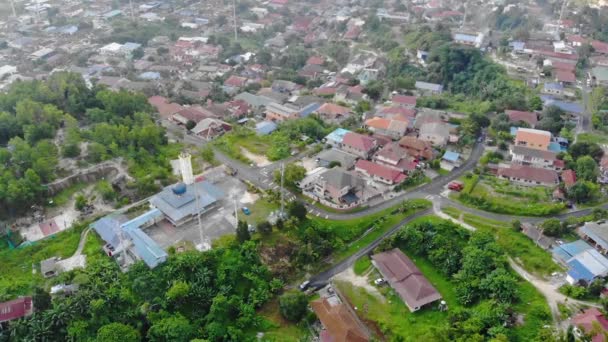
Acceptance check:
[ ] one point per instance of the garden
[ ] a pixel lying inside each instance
(489, 193)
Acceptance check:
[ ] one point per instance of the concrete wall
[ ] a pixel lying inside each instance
(85, 176)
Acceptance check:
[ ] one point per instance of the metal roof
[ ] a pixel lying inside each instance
(599, 233)
(337, 135)
(451, 156)
(265, 127)
(177, 207)
(579, 272)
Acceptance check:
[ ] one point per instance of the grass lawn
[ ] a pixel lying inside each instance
(393, 318)
(592, 138)
(276, 328)
(500, 196)
(443, 172)
(533, 258)
(16, 277)
(362, 265)
(232, 142)
(260, 210)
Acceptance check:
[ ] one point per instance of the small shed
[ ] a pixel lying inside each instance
(450, 160)
(265, 127)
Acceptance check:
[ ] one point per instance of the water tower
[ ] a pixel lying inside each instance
(185, 166)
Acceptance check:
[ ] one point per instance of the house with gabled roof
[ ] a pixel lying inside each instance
(406, 279)
(391, 128)
(516, 116)
(395, 156)
(339, 322)
(358, 144)
(380, 173)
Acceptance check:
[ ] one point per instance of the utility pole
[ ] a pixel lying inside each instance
(236, 35)
(13, 7)
(561, 15)
(282, 202)
(198, 215)
(131, 6)
(464, 17)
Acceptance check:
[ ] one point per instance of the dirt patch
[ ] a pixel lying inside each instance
(277, 258)
(258, 160)
(309, 164)
(359, 281)
(249, 197)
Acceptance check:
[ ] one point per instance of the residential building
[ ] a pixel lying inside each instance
(358, 144)
(437, 133)
(417, 148)
(533, 138)
(279, 113)
(391, 128)
(475, 40)
(187, 114)
(565, 77)
(380, 173)
(326, 157)
(515, 116)
(450, 160)
(336, 137)
(533, 157)
(405, 278)
(210, 128)
(265, 127)
(589, 322)
(597, 235)
(553, 88)
(598, 76)
(395, 156)
(339, 322)
(181, 202)
(404, 101)
(333, 112)
(16, 308)
(428, 88)
(336, 187)
(527, 175)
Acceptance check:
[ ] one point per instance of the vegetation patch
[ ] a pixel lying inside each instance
(362, 265)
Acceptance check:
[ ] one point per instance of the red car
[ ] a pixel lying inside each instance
(456, 186)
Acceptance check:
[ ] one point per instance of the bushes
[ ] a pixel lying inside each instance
(293, 306)
(511, 208)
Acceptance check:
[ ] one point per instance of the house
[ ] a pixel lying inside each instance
(333, 112)
(380, 173)
(523, 155)
(527, 175)
(368, 75)
(181, 202)
(391, 128)
(565, 77)
(233, 83)
(358, 144)
(450, 160)
(187, 114)
(516, 116)
(315, 60)
(286, 87)
(417, 148)
(398, 113)
(437, 133)
(553, 88)
(395, 156)
(16, 308)
(598, 76)
(339, 322)
(326, 157)
(254, 101)
(336, 137)
(468, 39)
(351, 95)
(597, 235)
(7, 70)
(210, 128)
(584, 262)
(569, 178)
(278, 112)
(405, 278)
(429, 88)
(404, 101)
(265, 127)
(533, 138)
(336, 187)
(591, 321)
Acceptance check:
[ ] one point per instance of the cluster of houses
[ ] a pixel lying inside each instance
(358, 167)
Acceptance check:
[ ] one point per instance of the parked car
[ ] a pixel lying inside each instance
(246, 211)
(379, 281)
(456, 186)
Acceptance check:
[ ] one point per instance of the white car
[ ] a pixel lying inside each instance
(379, 281)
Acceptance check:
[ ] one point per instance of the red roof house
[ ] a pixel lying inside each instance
(358, 144)
(163, 106)
(340, 323)
(235, 81)
(589, 319)
(564, 76)
(527, 175)
(600, 47)
(315, 60)
(16, 308)
(379, 172)
(333, 112)
(517, 115)
(569, 178)
(404, 100)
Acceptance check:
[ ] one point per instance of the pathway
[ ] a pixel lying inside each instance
(82, 242)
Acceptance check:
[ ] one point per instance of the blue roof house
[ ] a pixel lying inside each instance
(335, 138)
(265, 127)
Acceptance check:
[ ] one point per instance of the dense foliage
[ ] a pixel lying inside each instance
(210, 295)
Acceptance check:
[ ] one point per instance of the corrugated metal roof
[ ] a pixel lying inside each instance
(177, 207)
(579, 272)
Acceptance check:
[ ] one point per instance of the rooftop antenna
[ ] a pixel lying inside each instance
(236, 35)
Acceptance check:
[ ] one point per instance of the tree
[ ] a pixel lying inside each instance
(208, 155)
(265, 228)
(501, 285)
(71, 150)
(587, 169)
(552, 227)
(174, 328)
(117, 332)
(293, 174)
(374, 90)
(582, 191)
(190, 125)
(297, 210)
(41, 299)
(242, 232)
(580, 149)
(552, 120)
(80, 202)
(293, 306)
(138, 53)
(516, 225)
